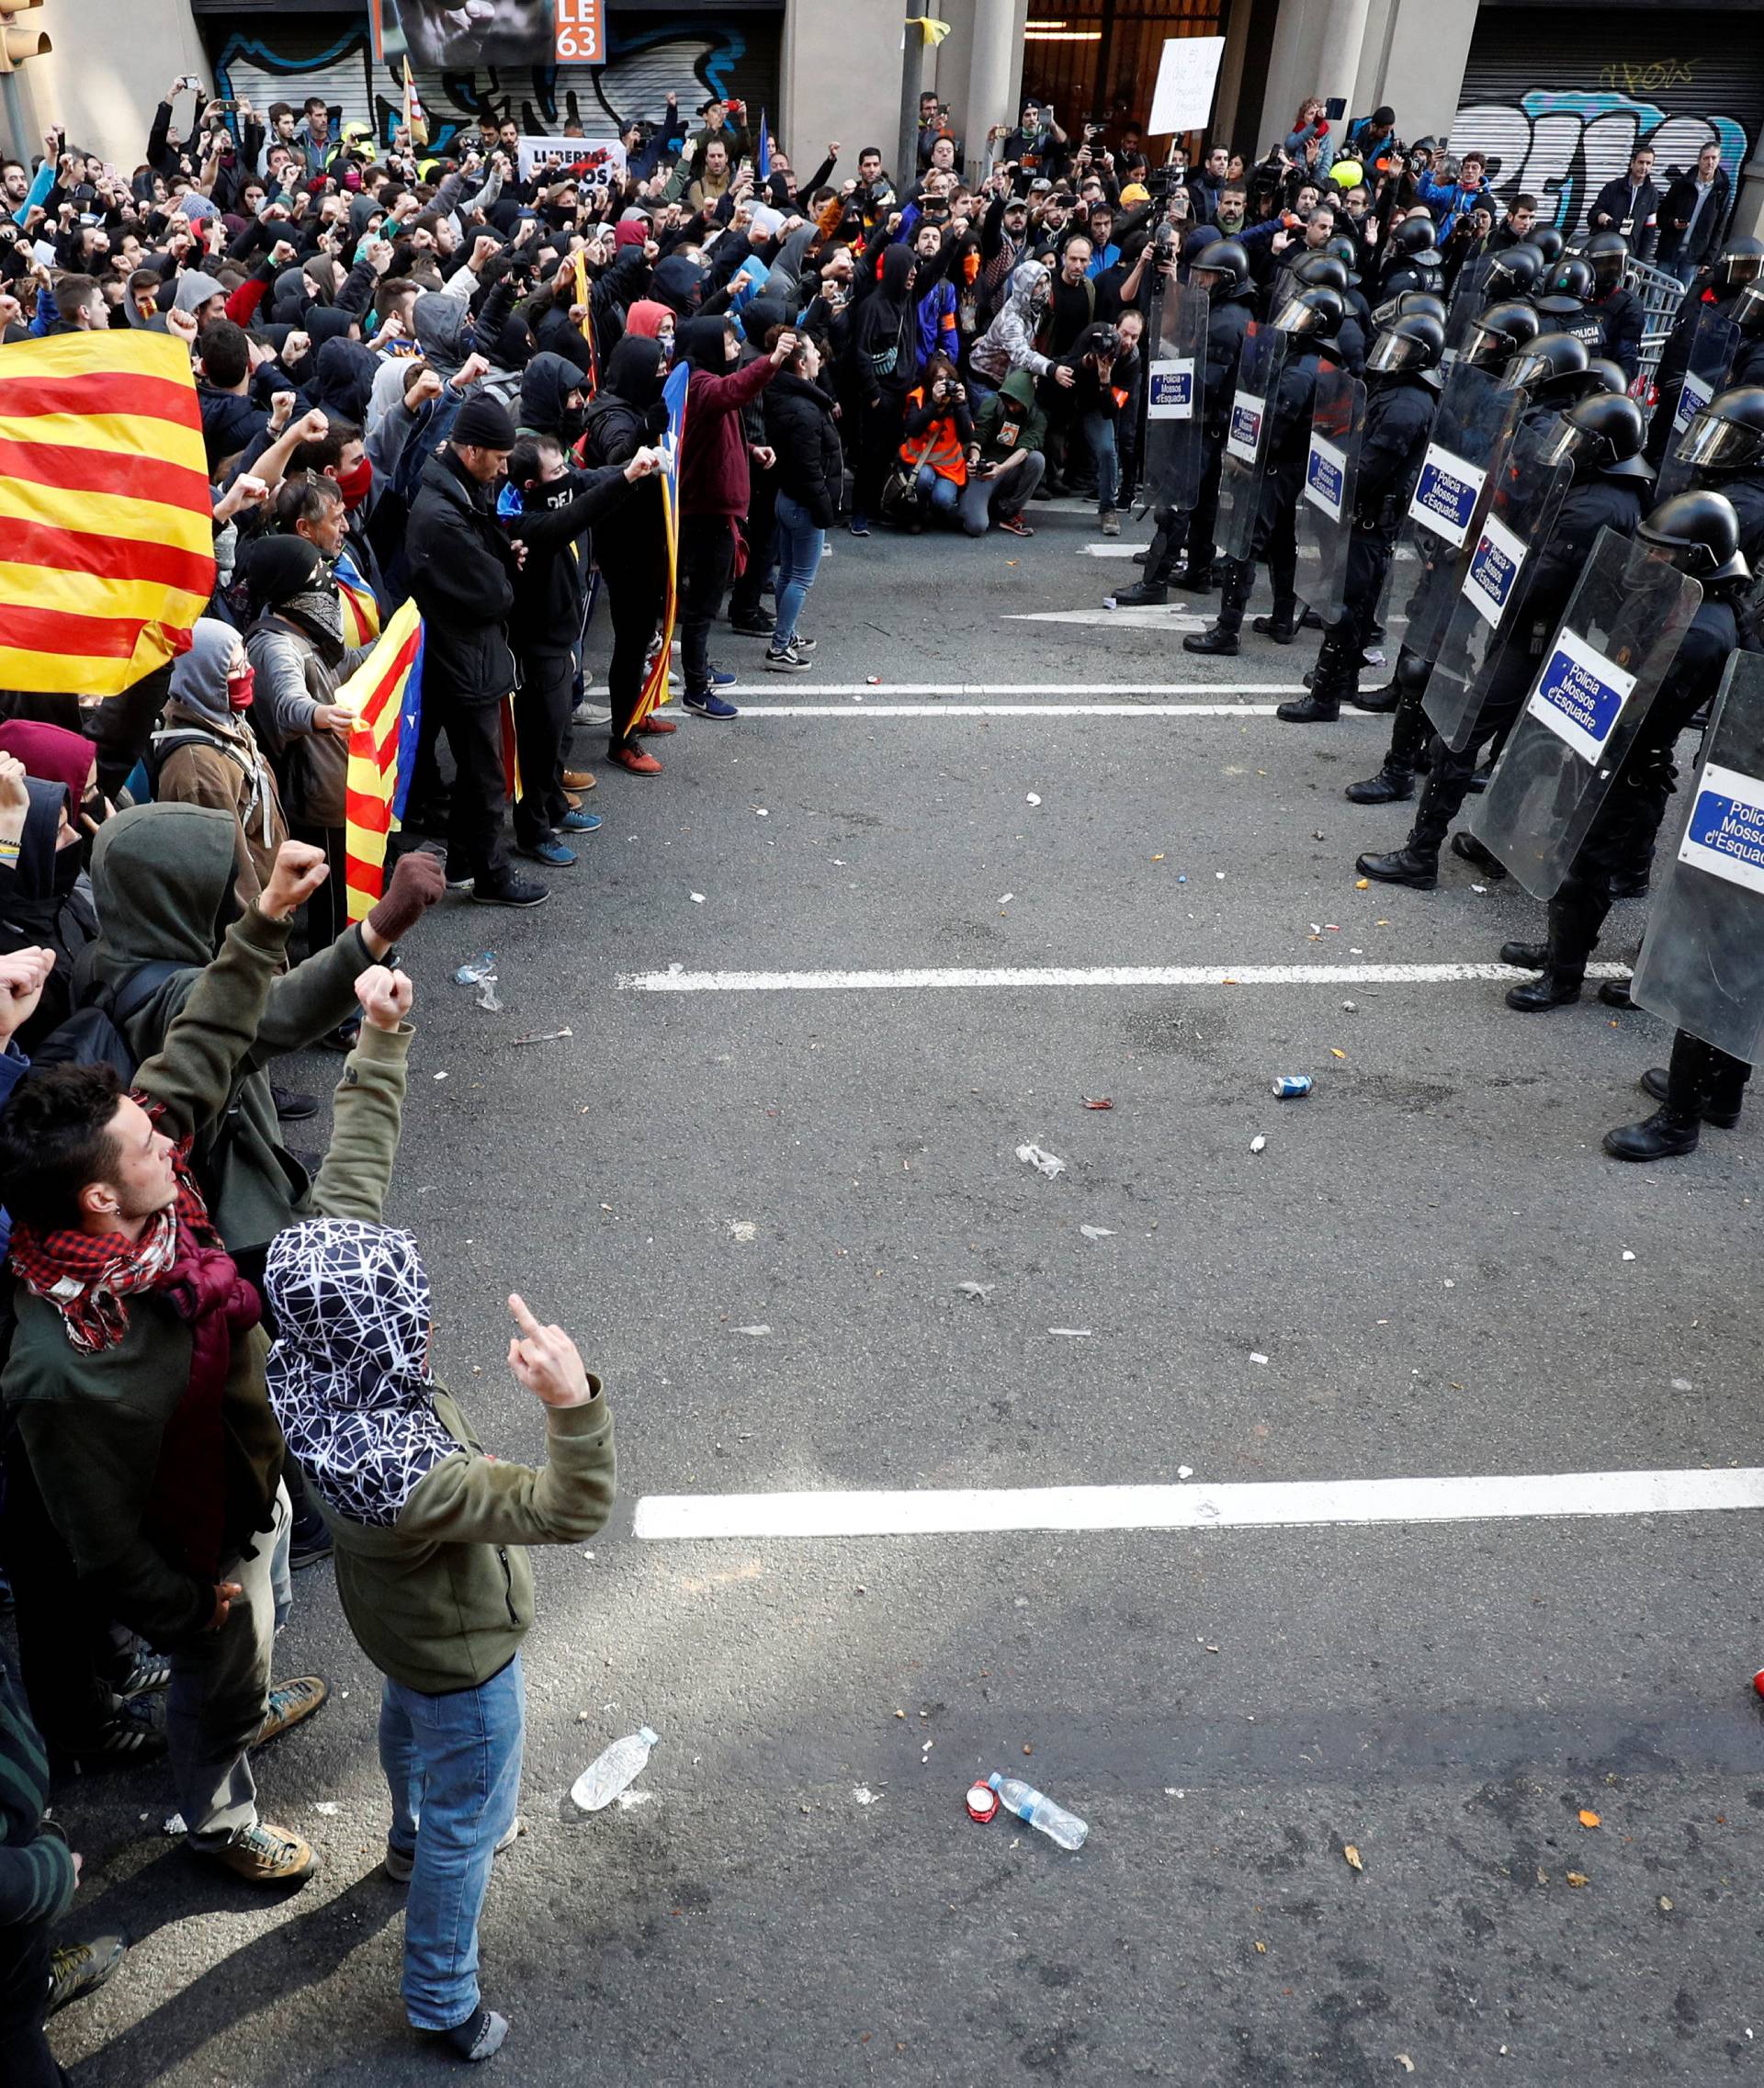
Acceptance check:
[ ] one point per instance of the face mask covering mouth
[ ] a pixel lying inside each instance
(239, 688)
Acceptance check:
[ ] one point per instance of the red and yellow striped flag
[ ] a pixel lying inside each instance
(107, 523)
(386, 695)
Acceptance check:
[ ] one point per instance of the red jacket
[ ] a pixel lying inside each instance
(713, 458)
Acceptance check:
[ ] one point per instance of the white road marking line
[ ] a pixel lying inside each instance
(881, 691)
(863, 710)
(676, 979)
(939, 1511)
(1110, 550)
(1149, 618)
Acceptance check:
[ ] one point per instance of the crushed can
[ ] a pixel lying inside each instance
(1291, 1084)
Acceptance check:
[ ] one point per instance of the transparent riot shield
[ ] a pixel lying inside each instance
(1473, 423)
(1489, 611)
(1703, 961)
(1712, 348)
(1468, 300)
(1604, 667)
(1331, 478)
(1243, 463)
(1174, 407)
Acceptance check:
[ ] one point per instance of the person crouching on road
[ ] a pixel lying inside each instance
(431, 1575)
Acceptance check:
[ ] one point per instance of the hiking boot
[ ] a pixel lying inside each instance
(266, 1855)
(508, 890)
(634, 760)
(400, 1863)
(82, 1967)
(289, 1702)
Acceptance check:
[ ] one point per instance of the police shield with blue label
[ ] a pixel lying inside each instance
(1495, 581)
(1248, 431)
(1174, 380)
(1325, 507)
(1711, 357)
(1603, 669)
(1474, 419)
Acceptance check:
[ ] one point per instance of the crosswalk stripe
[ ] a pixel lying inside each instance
(677, 979)
(863, 710)
(940, 1511)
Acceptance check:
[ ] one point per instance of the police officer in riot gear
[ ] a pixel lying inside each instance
(1511, 272)
(1222, 268)
(1724, 448)
(1617, 306)
(1602, 439)
(1551, 373)
(1411, 262)
(1698, 532)
(1739, 265)
(1324, 270)
(1565, 303)
(1310, 318)
(1399, 412)
(1748, 316)
(1501, 332)
(1549, 242)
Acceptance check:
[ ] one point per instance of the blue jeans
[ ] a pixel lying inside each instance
(1099, 434)
(797, 543)
(452, 1764)
(941, 495)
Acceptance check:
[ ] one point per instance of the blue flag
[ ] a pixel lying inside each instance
(763, 157)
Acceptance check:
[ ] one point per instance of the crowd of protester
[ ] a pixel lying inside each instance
(430, 375)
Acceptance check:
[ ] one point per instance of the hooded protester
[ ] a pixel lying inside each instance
(651, 321)
(207, 754)
(344, 382)
(1009, 343)
(297, 651)
(431, 1567)
(883, 359)
(715, 493)
(626, 415)
(679, 283)
(443, 329)
(45, 896)
(552, 400)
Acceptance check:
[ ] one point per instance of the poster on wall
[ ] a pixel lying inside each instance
(457, 34)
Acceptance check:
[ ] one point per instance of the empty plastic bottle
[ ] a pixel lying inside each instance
(1039, 1809)
(620, 1766)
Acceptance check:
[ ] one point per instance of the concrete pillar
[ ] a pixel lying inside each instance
(107, 105)
(994, 74)
(841, 70)
(1418, 68)
(1338, 73)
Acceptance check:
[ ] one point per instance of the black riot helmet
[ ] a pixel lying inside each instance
(1567, 288)
(1411, 344)
(1729, 434)
(1740, 261)
(1501, 334)
(1548, 241)
(1315, 313)
(1224, 264)
(1749, 310)
(1607, 254)
(1347, 254)
(1600, 436)
(1698, 532)
(1604, 377)
(1550, 370)
(1406, 301)
(1415, 240)
(1320, 271)
(1513, 271)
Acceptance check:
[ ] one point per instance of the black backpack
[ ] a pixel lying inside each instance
(93, 1035)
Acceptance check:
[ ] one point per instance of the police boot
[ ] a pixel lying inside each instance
(1700, 1074)
(1417, 863)
(1395, 781)
(1675, 1126)
(1323, 705)
(1152, 592)
(1198, 575)
(1222, 636)
(1525, 956)
(1282, 624)
(1473, 853)
(1574, 935)
(1402, 676)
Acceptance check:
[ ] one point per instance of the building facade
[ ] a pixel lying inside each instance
(1556, 94)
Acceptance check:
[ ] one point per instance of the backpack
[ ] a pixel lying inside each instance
(93, 1035)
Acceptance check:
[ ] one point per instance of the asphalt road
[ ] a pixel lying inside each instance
(1431, 1269)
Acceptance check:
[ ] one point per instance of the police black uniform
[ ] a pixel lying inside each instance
(1226, 269)
(1620, 310)
(1400, 402)
(1310, 318)
(1739, 263)
(1564, 304)
(1604, 437)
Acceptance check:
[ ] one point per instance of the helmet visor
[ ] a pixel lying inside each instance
(1564, 442)
(1712, 443)
(1294, 316)
(1742, 267)
(1392, 352)
(1530, 367)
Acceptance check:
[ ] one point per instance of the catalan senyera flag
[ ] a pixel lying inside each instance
(107, 523)
(360, 610)
(655, 682)
(386, 695)
(585, 298)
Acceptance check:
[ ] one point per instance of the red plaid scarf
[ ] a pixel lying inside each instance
(87, 1276)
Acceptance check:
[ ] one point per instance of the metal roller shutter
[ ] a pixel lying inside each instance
(1560, 97)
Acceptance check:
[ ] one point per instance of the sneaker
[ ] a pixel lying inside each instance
(634, 760)
(579, 822)
(1014, 525)
(785, 659)
(508, 890)
(1109, 522)
(758, 625)
(655, 727)
(721, 677)
(151, 1671)
(400, 1863)
(592, 713)
(289, 1704)
(479, 2038)
(82, 1967)
(549, 851)
(263, 1855)
(859, 526)
(802, 644)
(292, 1106)
(579, 779)
(131, 1733)
(310, 1544)
(707, 705)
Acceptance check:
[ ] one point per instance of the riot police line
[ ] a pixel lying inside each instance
(1574, 586)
